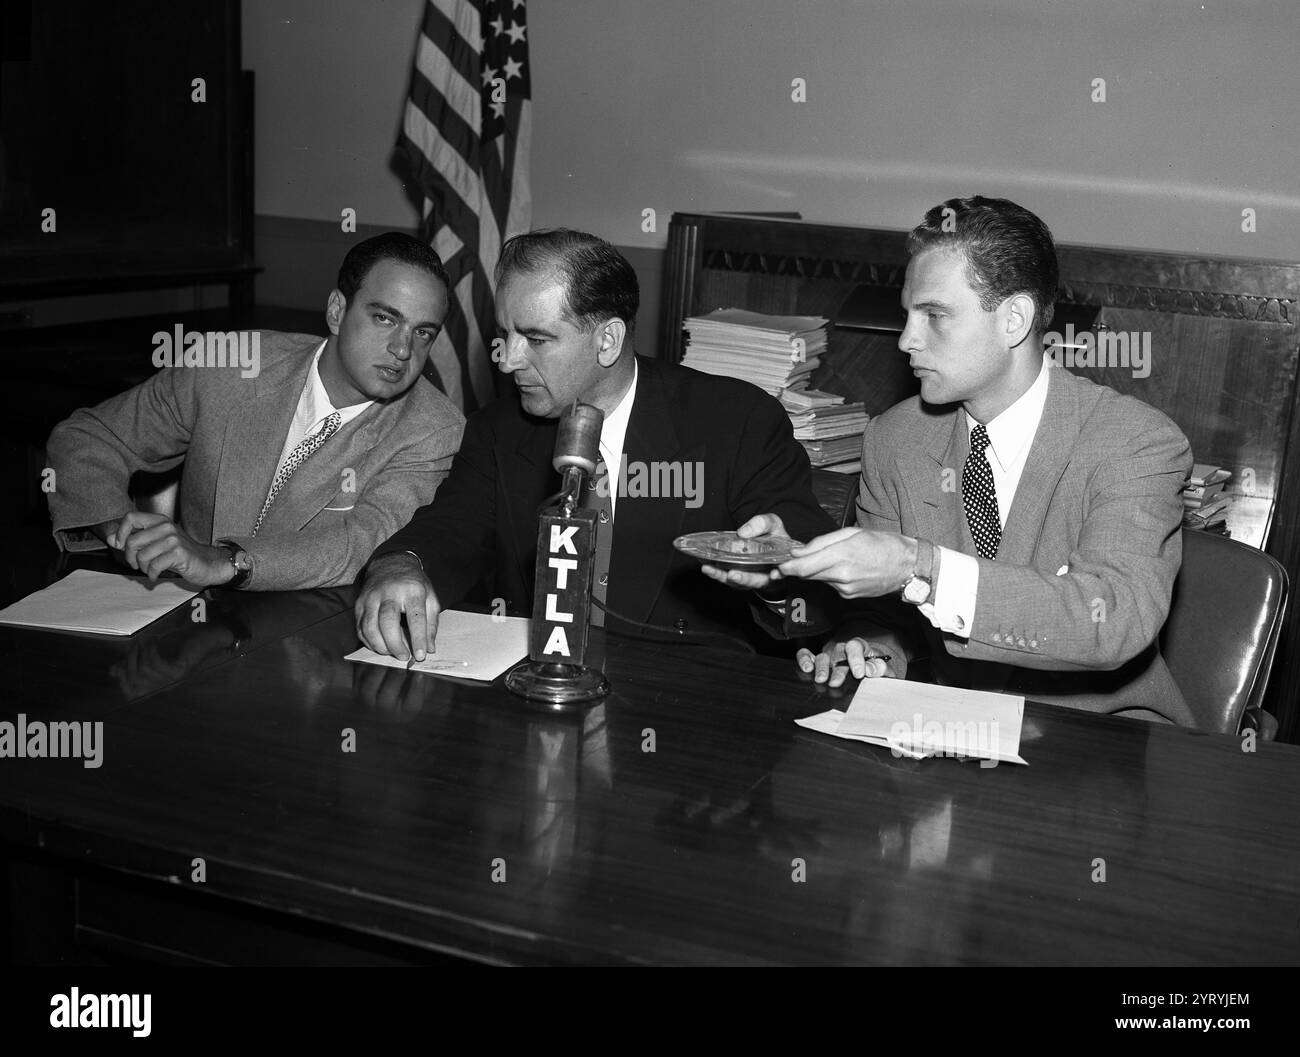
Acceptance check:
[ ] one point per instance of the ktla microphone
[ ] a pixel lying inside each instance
(577, 445)
(554, 675)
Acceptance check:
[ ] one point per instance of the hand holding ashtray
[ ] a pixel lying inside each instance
(729, 550)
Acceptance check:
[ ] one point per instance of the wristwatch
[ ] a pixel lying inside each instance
(240, 559)
(919, 587)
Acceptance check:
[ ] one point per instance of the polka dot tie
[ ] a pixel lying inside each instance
(296, 458)
(980, 497)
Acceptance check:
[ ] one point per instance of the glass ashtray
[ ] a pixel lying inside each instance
(727, 550)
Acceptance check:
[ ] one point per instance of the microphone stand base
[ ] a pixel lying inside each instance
(559, 687)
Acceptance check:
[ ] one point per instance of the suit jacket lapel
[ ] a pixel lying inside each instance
(254, 436)
(1049, 454)
(936, 464)
(320, 478)
(645, 526)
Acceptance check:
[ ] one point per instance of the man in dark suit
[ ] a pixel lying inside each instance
(1029, 518)
(698, 453)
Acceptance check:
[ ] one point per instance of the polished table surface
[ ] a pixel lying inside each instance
(685, 819)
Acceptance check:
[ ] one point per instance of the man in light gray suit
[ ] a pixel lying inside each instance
(1028, 518)
(298, 461)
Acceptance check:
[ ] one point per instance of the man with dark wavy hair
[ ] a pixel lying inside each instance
(292, 470)
(566, 306)
(1028, 518)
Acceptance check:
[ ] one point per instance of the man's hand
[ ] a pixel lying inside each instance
(858, 563)
(759, 526)
(154, 544)
(865, 658)
(395, 586)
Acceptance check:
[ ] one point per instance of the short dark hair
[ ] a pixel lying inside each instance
(598, 281)
(390, 246)
(1008, 250)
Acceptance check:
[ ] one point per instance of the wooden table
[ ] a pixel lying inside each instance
(685, 820)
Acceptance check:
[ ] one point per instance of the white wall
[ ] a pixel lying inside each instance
(685, 104)
(331, 78)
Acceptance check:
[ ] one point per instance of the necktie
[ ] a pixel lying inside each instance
(598, 499)
(306, 447)
(980, 496)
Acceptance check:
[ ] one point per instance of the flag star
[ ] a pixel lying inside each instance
(519, 3)
(513, 69)
(499, 110)
(515, 32)
(498, 25)
(489, 74)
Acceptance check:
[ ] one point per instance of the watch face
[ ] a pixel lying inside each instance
(916, 590)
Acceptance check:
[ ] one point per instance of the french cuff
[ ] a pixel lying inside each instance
(953, 608)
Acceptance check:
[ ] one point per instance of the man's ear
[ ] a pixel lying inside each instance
(610, 336)
(1019, 317)
(334, 309)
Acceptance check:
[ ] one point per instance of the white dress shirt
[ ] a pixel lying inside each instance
(1011, 436)
(613, 433)
(314, 407)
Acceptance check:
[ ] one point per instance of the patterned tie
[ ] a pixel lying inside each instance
(296, 458)
(980, 497)
(603, 505)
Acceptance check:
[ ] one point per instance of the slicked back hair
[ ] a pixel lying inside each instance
(599, 284)
(390, 246)
(1007, 250)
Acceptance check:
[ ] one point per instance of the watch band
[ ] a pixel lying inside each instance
(927, 561)
(924, 571)
(234, 550)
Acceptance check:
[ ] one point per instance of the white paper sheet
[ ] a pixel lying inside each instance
(829, 723)
(468, 646)
(942, 720)
(99, 603)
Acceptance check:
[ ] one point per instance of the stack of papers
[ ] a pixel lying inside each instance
(827, 453)
(829, 429)
(1206, 505)
(772, 352)
(468, 646)
(99, 603)
(829, 423)
(920, 720)
(797, 400)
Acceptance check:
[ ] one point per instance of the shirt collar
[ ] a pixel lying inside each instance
(319, 405)
(1011, 432)
(615, 424)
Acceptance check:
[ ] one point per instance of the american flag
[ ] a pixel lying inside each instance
(465, 141)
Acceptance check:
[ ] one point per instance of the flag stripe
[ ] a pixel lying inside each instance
(468, 154)
(455, 79)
